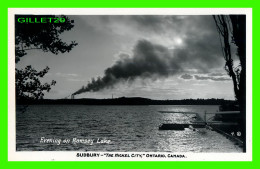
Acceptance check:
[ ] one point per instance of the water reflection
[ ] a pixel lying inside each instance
(130, 128)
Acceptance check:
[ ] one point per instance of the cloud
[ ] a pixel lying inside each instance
(150, 60)
(66, 75)
(197, 77)
(217, 74)
(193, 38)
(186, 76)
(160, 55)
(199, 53)
(209, 76)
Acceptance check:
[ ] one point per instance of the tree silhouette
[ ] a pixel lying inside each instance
(232, 29)
(28, 85)
(43, 36)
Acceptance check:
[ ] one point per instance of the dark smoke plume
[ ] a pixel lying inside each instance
(148, 60)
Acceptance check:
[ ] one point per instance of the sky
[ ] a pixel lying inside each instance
(151, 56)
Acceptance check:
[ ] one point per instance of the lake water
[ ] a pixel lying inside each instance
(128, 128)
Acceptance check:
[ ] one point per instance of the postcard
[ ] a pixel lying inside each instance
(130, 84)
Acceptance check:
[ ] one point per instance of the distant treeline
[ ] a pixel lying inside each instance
(128, 101)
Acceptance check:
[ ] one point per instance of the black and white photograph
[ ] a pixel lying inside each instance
(161, 85)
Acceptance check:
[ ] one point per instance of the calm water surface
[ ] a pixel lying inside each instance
(130, 129)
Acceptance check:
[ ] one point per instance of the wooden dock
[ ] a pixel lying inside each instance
(229, 128)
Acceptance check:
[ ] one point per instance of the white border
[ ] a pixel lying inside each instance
(71, 155)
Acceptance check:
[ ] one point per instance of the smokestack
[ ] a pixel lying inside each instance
(72, 96)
